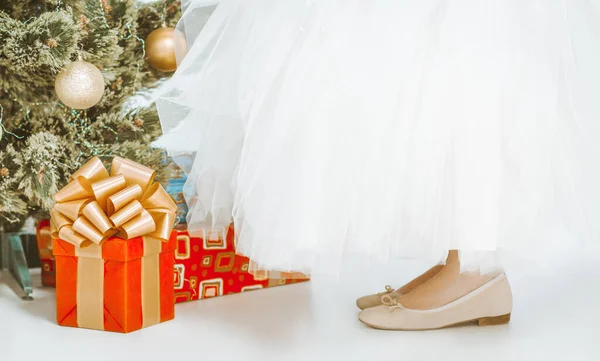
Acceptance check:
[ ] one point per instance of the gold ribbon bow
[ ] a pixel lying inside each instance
(95, 206)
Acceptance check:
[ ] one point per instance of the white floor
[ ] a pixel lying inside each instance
(556, 317)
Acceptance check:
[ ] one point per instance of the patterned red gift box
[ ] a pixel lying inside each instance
(208, 267)
(44, 241)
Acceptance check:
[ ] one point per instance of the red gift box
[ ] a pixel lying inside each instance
(121, 286)
(44, 241)
(208, 267)
(113, 243)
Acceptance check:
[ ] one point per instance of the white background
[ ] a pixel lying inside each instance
(556, 317)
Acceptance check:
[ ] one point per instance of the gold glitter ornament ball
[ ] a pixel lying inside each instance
(160, 48)
(79, 85)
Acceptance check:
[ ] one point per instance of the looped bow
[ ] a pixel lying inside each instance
(392, 302)
(95, 206)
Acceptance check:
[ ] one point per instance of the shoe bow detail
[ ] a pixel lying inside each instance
(392, 302)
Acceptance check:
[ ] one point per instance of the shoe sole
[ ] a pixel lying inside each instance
(483, 321)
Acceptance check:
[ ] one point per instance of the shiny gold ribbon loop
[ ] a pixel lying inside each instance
(157, 197)
(86, 229)
(126, 213)
(107, 187)
(71, 209)
(164, 220)
(93, 171)
(138, 226)
(94, 205)
(133, 172)
(95, 214)
(124, 197)
(59, 220)
(78, 189)
(68, 234)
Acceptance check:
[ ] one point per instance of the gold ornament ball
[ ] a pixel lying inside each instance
(161, 45)
(79, 85)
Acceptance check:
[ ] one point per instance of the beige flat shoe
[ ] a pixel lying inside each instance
(375, 299)
(490, 304)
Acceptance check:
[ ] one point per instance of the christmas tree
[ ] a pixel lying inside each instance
(42, 139)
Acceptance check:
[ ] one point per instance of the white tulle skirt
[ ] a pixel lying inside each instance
(328, 129)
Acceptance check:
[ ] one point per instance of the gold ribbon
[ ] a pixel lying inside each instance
(95, 206)
(90, 287)
(151, 283)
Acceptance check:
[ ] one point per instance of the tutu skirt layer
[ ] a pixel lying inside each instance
(391, 128)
